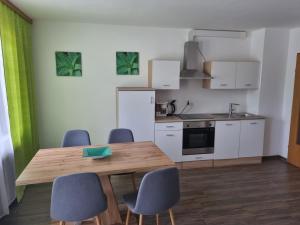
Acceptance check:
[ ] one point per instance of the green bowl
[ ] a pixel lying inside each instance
(97, 152)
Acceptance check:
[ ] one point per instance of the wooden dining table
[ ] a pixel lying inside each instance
(50, 163)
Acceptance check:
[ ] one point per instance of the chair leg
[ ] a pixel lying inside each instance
(127, 217)
(133, 182)
(172, 216)
(141, 220)
(62, 223)
(98, 220)
(157, 219)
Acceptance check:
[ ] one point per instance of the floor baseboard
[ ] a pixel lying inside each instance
(273, 157)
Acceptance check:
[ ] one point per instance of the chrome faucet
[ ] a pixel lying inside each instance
(231, 108)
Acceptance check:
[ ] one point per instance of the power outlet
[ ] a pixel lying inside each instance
(189, 103)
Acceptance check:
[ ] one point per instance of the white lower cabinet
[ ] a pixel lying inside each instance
(252, 138)
(239, 139)
(227, 139)
(233, 140)
(168, 137)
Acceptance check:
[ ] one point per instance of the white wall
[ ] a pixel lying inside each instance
(293, 49)
(217, 48)
(257, 52)
(272, 87)
(270, 47)
(89, 102)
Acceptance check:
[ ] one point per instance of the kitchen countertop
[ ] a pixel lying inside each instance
(212, 116)
(167, 119)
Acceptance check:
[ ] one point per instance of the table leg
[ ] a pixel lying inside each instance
(112, 214)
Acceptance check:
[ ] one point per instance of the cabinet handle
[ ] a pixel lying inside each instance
(229, 124)
(169, 126)
(198, 157)
(223, 85)
(253, 123)
(248, 85)
(166, 85)
(170, 135)
(152, 100)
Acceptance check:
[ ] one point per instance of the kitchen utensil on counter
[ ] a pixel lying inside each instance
(165, 108)
(161, 108)
(171, 107)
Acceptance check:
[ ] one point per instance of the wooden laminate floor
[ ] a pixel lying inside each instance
(266, 194)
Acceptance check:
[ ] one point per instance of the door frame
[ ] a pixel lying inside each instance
(294, 142)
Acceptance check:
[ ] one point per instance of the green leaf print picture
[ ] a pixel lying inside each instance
(68, 64)
(127, 63)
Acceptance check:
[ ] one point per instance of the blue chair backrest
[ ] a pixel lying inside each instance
(77, 197)
(120, 135)
(76, 138)
(159, 191)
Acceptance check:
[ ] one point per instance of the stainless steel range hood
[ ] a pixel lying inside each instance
(193, 62)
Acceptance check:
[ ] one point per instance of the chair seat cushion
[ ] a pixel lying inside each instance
(130, 200)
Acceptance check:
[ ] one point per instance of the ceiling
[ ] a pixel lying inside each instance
(201, 14)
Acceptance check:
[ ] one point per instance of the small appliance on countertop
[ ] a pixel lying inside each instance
(171, 108)
(163, 109)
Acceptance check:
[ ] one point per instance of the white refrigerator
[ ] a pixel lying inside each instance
(136, 111)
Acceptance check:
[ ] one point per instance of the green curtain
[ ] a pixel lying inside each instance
(17, 56)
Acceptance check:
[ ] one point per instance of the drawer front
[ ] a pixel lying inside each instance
(253, 123)
(169, 126)
(187, 158)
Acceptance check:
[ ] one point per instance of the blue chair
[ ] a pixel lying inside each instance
(159, 192)
(77, 197)
(76, 138)
(122, 135)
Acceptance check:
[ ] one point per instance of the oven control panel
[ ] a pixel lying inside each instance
(198, 124)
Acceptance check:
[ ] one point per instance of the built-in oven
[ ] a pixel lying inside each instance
(198, 137)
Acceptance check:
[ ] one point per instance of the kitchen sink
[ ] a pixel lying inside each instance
(221, 115)
(242, 115)
(234, 115)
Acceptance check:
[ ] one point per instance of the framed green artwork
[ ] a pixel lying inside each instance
(68, 64)
(127, 63)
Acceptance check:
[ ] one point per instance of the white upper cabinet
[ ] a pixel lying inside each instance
(223, 74)
(247, 75)
(232, 75)
(252, 138)
(227, 139)
(164, 74)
